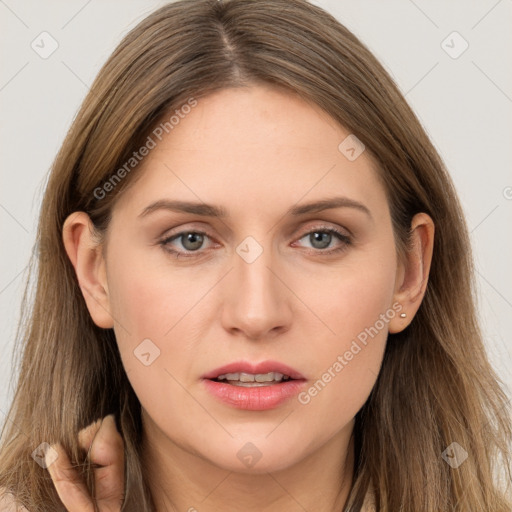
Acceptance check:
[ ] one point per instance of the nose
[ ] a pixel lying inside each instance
(256, 299)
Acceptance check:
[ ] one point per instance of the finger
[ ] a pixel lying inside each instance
(70, 488)
(86, 435)
(106, 448)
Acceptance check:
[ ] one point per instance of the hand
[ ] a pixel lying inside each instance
(108, 452)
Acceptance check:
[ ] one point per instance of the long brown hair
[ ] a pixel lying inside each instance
(436, 385)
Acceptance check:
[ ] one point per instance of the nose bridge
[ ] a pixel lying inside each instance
(256, 283)
(256, 300)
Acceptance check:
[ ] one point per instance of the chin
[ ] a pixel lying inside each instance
(255, 457)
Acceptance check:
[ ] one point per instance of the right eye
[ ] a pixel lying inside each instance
(191, 242)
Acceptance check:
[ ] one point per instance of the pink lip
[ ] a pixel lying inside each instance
(246, 367)
(254, 398)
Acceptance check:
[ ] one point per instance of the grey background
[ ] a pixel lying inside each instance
(464, 103)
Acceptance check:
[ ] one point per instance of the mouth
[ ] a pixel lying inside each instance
(250, 380)
(244, 373)
(255, 387)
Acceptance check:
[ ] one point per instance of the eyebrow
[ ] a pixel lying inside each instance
(208, 210)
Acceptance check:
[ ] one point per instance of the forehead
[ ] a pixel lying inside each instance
(250, 147)
(239, 119)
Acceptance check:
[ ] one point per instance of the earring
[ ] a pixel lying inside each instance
(403, 315)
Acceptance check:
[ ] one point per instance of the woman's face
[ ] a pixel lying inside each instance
(266, 283)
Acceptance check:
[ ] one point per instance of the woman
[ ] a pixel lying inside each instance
(237, 267)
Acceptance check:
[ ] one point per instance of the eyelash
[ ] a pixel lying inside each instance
(320, 229)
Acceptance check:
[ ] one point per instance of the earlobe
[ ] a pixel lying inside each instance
(86, 256)
(413, 272)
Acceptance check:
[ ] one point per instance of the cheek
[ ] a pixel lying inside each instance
(153, 308)
(351, 297)
(355, 312)
(359, 300)
(154, 362)
(146, 296)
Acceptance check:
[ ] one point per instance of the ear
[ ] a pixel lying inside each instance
(412, 272)
(86, 255)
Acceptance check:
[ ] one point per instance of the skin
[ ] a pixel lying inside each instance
(104, 445)
(255, 151)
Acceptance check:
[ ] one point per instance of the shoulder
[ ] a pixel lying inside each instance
(9, 504)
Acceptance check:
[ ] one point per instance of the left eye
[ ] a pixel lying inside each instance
(323, 237)
(192, 241)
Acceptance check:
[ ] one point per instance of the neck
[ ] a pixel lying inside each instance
(181, 480)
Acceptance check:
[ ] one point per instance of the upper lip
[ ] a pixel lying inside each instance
(254, 368)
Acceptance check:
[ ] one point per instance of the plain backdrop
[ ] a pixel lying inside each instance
(463, 97)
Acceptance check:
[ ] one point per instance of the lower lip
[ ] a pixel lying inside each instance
(260, 398)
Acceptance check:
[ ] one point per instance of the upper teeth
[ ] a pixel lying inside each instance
(250, 377)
